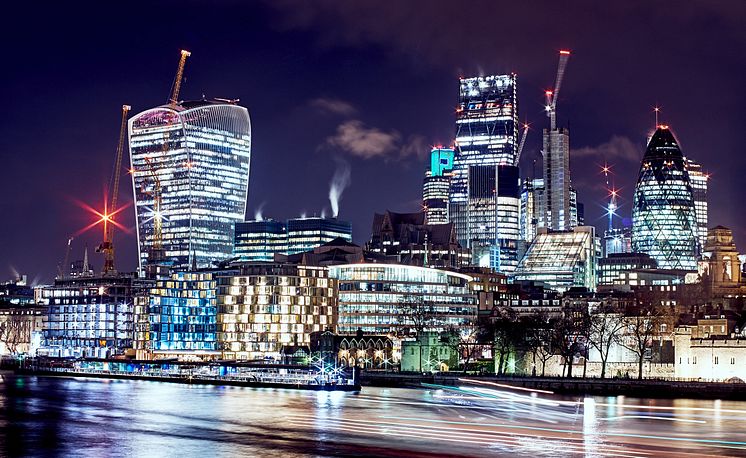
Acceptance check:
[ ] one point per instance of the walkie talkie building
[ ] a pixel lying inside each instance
(190, 170)
(664, 223)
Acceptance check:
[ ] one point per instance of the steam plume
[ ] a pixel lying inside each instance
(340, 181)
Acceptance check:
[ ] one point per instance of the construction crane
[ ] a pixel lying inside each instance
(107, 247)
(157, 247)
(521, 144)
(553, 95)
(174, 98)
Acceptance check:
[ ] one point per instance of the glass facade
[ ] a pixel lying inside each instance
(181, 315)
(305, 234)
(699, 179)
(267, 306)
(486, 137)
(664, 221)
(400, 300)
(532, 199)
(260, 240)
(194, 157)
(557, 211)
(89, 317)
(561, 259)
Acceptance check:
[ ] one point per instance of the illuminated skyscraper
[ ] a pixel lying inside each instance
(305, 234)
(436, 185)
(260, 240)
(664, 221)
(486, 137)
(190, 171)
(699, 180)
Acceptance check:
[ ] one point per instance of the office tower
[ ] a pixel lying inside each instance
(190, 176)
(532, 200)
(664, 221)
(613, 265)
(561, 259)
(486, 137)
(260, 240)
(699, 179)
(493, 212)
(617, 240)
(305, 234)
(436, 185)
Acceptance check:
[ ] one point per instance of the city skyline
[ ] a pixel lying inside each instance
(59, 162)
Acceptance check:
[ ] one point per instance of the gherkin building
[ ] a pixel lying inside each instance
(663, 216)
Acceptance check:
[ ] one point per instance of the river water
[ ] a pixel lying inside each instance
(46, 416)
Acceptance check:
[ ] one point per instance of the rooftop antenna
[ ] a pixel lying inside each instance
(657, 110)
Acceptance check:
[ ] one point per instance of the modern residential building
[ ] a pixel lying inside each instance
(664, 216)
(405, 238)
(190, 177)
(561, 259)
(486, 137)
(177, 317)
(305, 234)
(436, 186)
(402, 300)
(699, 180)
(89, 316)
(260, 240)
(266, 306)
(612, 266)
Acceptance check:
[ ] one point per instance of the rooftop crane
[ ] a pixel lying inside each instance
(157, 247)
(107, 247)
(521, 144)
(553, 95)
(174, 98)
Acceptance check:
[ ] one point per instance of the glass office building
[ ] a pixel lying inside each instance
(194, 158)
(486, 137)
(436, 186)
(561, 259)
(266, 306)
(664, 223)
(401, 300)
(305, 234)
(614, 265)
(260, 240)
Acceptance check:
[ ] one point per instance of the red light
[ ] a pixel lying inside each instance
(565, 52)
(549, 92)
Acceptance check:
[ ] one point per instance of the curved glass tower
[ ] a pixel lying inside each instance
(191, 161)
(663, 215)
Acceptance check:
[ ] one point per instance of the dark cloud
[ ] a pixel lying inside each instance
(333, 106)
(357, 139)
(617, 149)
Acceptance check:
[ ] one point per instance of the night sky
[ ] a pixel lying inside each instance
(359, 84)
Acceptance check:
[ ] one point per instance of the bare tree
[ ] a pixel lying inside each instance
(501, 330)
(604, 330)
(569, 335)
(418, 312)
(14, 331)
(538, 332)
(642, 327)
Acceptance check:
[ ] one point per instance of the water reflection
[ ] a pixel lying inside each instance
(86, 417)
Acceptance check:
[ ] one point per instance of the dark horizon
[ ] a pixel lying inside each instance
(333, 83)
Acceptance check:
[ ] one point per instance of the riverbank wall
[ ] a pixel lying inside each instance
(646, 388)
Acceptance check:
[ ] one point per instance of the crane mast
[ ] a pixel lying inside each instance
(174, 98)
(107, 247)
(157, 218)
(553, 95)
(521, 144)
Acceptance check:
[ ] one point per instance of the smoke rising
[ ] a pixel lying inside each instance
(340, 181)
(258, 212)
